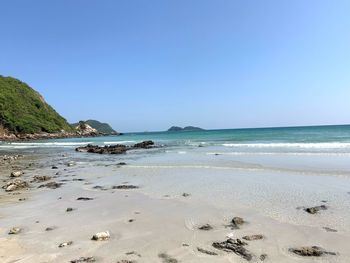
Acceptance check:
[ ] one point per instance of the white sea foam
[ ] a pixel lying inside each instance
(321, 145)
(118, 142)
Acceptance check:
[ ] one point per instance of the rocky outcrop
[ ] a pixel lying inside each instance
(114, 149)
(85, 129)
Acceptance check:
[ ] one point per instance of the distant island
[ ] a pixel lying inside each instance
(187, 128)
(24, 115)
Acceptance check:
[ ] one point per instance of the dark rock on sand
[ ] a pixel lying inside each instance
(166, 258)
(15, 184)
(14, 231)
(49, 228)
(121, 163)
(313, 251)
(51, 185)
(16, 174)
(236, 246)
(263, 257)
(54, 167)
(236, 222)
(101, 236)
(125, 187)
(205, 227)
(186, 195)
(69, 209)
(84, 198)
(126, 261)
(40, 178)
(328, 229)
(253, 237)
(83, 259)
(99, 187)
(204, 251)
(315, 209)
(65, 244)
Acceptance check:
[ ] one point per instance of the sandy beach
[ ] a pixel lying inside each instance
(178, 195)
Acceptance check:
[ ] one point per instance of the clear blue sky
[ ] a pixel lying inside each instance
(147, 65)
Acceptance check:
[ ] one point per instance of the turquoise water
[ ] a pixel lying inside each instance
(290, 139)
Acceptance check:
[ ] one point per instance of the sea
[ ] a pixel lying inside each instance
(333, 139)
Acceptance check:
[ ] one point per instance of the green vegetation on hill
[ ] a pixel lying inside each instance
(23, 110)
(99, 126)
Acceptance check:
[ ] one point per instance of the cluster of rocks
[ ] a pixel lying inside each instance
(15, 184)
(114, 149)
(10, 158)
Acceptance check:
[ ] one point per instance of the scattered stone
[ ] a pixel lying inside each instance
(49, 228)
(206, 251)
(205, 227)
(16, 174)
(15, 184)
(69, 164)
(54, 167)
(166, 258)
(125, 187)
(78, 179)
(328, 229)
(65, 244)
(253, 237)
(133, 253)
(263, 257)
(51, 185)
(315, 209)
(121, 163)
(40, 178)
(313, 251)
(69, 209)
(83, 259)
(99, 187)
(14, 231)
(236, 246)
(126, 261)
(186, 195)
(101, 236)
(22, 199)
(84, 198)
(131, 220)
(236, 222)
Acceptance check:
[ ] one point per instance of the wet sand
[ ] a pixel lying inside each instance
(156, 222)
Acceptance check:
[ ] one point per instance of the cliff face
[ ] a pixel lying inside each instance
(104, 128)
(24, 111)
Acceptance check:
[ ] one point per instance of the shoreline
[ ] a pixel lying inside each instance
(157, 218)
